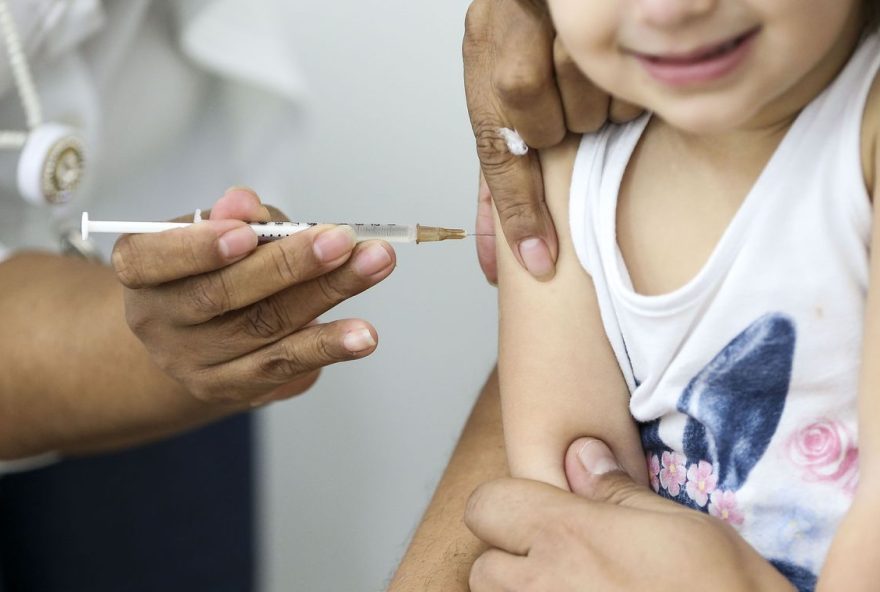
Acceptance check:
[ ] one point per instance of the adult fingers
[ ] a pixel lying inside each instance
(515, 181)
(485, 231)
(240, 203)
(510, 513)
(585, 105)
(620, 111)
(277, 364)
(285, 312)
(273, 267)
(593, 473)
(498, 571)
(143, 260)
(523, 77)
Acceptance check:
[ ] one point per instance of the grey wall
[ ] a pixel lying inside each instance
(347, 469)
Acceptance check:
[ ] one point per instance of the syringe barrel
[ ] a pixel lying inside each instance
(392, 233)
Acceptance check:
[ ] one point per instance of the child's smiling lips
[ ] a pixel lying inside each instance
(703, 64)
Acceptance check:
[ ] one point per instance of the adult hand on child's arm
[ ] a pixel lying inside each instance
(518, 76)
(234, 324)
(609, 534)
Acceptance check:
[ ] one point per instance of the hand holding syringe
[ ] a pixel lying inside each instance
(268, 231)
(236, 324)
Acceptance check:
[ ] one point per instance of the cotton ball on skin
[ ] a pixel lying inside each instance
(514, 141)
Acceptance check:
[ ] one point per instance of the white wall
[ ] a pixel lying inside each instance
(347, 469)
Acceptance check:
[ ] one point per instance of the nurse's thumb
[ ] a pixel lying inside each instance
(594, 473)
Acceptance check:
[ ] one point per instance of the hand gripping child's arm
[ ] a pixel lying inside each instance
(559, 376)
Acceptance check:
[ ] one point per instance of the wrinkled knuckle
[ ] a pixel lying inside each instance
(621, 494)
(286, 265)
(331, 292)
(283, 364)
(492, 149)
(515, 214)
(129, 274)
(205, 297)
(521, 85)
(266, 319)
(325, 350)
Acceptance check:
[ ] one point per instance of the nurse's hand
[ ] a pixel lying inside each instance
(237, 323)
(519, 76)
(609, 533)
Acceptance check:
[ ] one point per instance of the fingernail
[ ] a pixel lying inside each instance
(358, 340)
(371, 261)
(240, 188)
(597, 458)
(536, 256)
(332, 244)
(237, 242)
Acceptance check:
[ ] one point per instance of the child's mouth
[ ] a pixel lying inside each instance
(702, 65)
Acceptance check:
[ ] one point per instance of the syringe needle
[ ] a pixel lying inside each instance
(425, 234)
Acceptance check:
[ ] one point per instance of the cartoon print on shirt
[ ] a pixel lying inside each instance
(733, 406)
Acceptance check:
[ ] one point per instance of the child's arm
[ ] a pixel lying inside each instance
(559, 376)
(852, 561)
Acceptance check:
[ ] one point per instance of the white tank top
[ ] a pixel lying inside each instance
(745, 379)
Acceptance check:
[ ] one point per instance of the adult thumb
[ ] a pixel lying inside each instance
(594, 473)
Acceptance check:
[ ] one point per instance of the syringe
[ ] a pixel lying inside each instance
(269, 231)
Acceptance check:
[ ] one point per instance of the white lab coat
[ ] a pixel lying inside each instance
(175, 100)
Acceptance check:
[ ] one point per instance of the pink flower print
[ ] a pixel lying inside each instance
(723, 506)
(654, 471)
(701, 482)
(673, 473)
(827, 452)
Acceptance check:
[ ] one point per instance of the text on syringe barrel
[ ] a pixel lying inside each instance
(393, 233)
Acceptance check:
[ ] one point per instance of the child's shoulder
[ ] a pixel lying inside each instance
(871, 138)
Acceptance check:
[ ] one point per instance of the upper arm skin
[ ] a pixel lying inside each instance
(558, 374)
(851, 562)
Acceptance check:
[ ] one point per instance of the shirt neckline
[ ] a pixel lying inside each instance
(759, 195)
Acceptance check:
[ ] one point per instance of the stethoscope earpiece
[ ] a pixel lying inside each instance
(51, 164)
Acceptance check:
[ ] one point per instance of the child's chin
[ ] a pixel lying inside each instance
(703, 120)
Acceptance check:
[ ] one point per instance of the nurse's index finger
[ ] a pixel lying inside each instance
(273, 267)
(150, 259)
(515, 180)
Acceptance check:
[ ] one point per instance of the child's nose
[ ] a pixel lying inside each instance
(668, 13)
